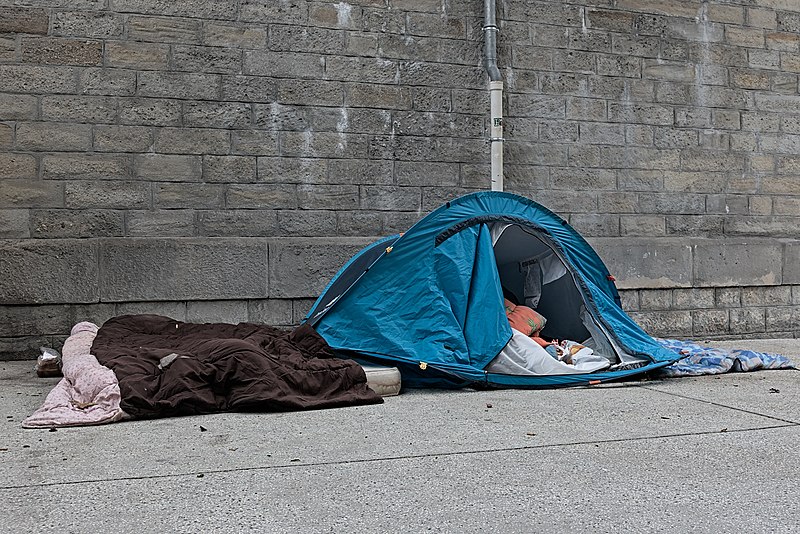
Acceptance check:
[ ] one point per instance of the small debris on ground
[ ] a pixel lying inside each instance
(295, 460)
(774, 390)
(488, 405)
(664, 417)
(724, 430)
(203, 429)
(530, 433)
(200, 475)
(53, 430)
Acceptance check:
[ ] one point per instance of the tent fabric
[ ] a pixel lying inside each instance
(431, 301)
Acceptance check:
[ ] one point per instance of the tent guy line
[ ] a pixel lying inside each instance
(399, 458)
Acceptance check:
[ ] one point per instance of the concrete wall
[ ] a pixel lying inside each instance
(218, 160)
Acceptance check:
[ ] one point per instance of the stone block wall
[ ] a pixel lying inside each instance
(216, 160)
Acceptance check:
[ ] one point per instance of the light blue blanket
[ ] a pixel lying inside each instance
(701, 360)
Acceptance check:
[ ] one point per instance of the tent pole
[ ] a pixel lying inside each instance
(490, 31)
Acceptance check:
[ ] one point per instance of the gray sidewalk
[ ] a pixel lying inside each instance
(705, 454)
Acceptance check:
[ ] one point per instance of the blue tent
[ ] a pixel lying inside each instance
(430, 301)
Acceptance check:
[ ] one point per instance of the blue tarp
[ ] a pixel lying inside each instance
(697, 360)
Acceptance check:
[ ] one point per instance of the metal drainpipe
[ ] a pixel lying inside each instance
(490, 31)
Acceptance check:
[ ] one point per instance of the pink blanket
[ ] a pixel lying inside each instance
(89, 392)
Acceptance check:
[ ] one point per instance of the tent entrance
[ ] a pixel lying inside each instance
(533, 270)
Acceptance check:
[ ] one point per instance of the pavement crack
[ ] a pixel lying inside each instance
(296, 465)
(695, 399)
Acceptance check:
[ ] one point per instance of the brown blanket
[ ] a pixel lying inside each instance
(166, 367)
